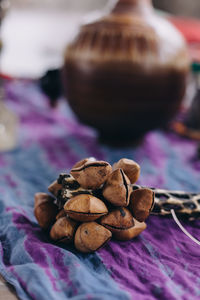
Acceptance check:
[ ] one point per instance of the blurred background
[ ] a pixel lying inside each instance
(35, 32)
(180, 7)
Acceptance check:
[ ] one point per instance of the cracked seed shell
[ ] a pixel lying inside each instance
(45, 210)
(91, 174)
(85, 208)
(63, 230)
(130, 168)
(117, 188)
(91, 236)
(141, 203)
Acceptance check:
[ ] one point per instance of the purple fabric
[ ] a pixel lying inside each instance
(162, 263)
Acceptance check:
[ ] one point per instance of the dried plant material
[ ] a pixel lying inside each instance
(130, 168)
(91, 175)
(130, 233)
(91, 236)
(141, 203)
(63, 230)
(92, 193)
(117, 188)
(118, 219)
(45, 210)
(85, 208)
(83, 161)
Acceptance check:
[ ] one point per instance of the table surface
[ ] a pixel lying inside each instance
(6, 291)
(51, 141)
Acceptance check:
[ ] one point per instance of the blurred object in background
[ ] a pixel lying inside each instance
(193, 116)
(8, 124)
(126, 73)
(189, 123)
(179, 7)
(75, 5)
(4, 5)
(36, 32)
(51, 85)
(8, 120)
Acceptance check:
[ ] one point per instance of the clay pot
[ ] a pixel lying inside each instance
(125, 73)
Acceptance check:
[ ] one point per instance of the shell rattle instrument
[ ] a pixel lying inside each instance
(97, 202)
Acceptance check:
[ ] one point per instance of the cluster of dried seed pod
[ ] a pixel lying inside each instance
(94, 203)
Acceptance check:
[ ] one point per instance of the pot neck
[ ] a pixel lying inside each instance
(127, 6)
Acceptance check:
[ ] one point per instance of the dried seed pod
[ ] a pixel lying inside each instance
(117, 188)
(63, 230)
(118, 219)
(91, 236)
(61, 214)
(83, 161)
(54, 188)
(91, 174)
(85, 208)
(45, 210)
(130, 233)
(141, 203)
(70, 188)
(130, 168)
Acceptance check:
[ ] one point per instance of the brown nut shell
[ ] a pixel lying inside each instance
(91, 174)
(63, 230)
(91, 236)
(130, 233)
(130, 168)
(85, 208)
(117, 188)
(45, 210)
(141, 203)
(118, 219)
(83, 161)
(54, 187)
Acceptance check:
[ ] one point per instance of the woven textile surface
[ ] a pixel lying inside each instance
(162, 263)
